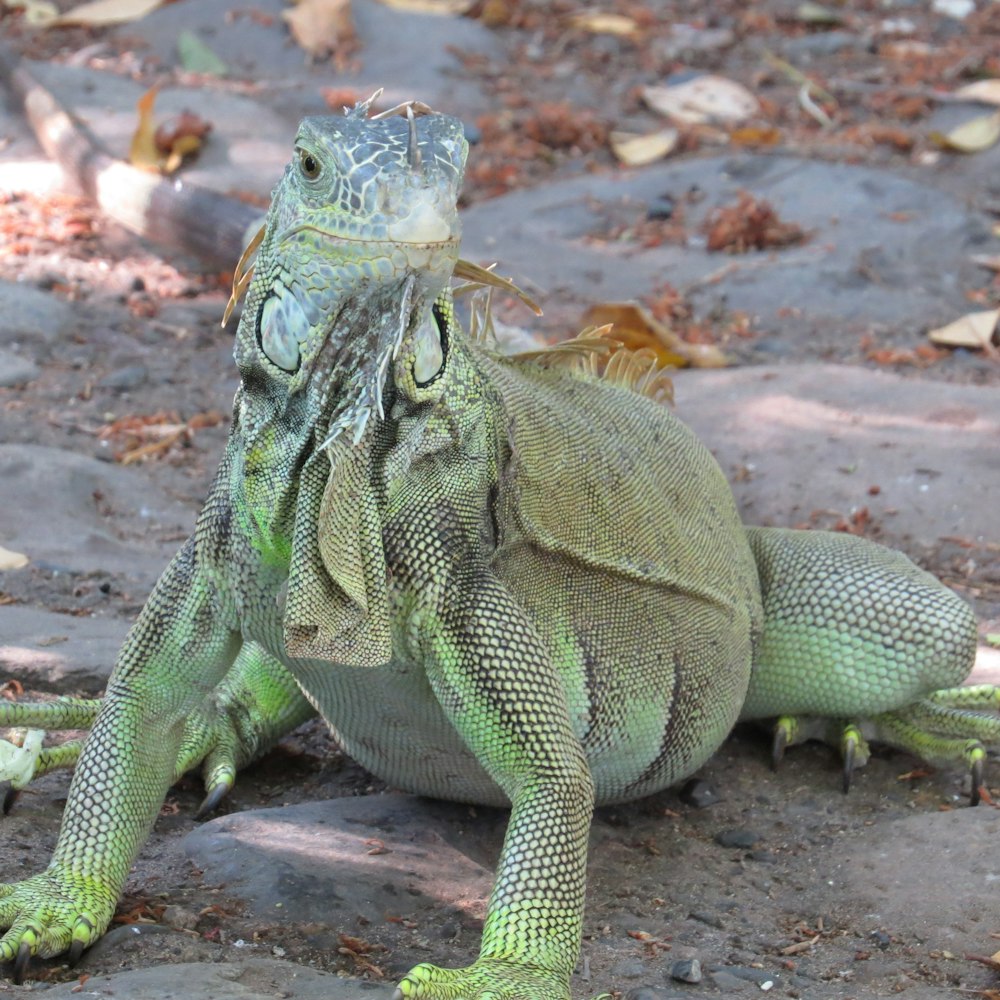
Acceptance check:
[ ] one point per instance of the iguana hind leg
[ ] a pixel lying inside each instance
(860, 644)
(256, 704)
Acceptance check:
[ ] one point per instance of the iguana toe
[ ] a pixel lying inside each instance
(978, 756)
(486, 979)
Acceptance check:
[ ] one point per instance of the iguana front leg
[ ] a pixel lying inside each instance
(493, 676)
(179, 649)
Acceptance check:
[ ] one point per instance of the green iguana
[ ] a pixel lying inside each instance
(499, 580)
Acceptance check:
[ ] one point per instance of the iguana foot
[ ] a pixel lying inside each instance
(487, 979)
(946, 727)
(50, 913)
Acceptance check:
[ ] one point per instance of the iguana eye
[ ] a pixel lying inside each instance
(309, 165)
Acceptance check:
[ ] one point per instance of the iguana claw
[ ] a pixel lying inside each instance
(216, 794)
(21, 962)
(852, 743)
(10, 797)
(976, 773)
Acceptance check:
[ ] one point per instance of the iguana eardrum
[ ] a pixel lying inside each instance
(500, 580)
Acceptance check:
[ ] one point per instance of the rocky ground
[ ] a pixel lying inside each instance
(115, 385)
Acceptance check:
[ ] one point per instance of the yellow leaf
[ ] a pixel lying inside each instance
(101, 12)
(638, 150)
(971, 137)
(319, 26)
(606, 24)
(431, 6)
(183, 145)
(12, 560)
(637, 329)
(984, 91)
(37, 13)
(703, 100)
(975, 330)
(142, 151)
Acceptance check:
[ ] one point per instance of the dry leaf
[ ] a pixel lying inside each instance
(816, 13)
(755, 135)
(320, 27)
(37, 13)
(984, 91)
(971, 137)
(974, 330)
(637, 329)
(431, 6)
(102, 12)
(638, 150)
(606, 24)
(142, 151)
(705, 99)
(197, 57)
(985, 260)
(12, 560)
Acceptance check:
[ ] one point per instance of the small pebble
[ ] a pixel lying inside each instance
(686, 970)
(698, 793)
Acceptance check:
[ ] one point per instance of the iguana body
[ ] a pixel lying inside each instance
(499, 580)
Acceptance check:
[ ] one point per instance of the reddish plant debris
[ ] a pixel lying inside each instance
(750, 224)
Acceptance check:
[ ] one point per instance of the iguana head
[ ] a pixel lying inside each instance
(361, 238)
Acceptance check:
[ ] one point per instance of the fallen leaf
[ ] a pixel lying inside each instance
(816, 13)
(37, 13)
(320, 27)
(431, 6)
(180, 137)
(972, 136)
(142, 151)
(703, 100)
(12, 560)
(983, 91)
(637, 329)
(755, 135)
(638, 150)
(749, 224)
(974, 330)
(197, 57)
(606, 24)
(102, 12)
(993, 639)
(985, 260)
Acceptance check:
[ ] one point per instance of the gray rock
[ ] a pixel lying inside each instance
(15, 370)
(235, 979)
(55, 512)
(854, 429)
(61, 653)
(315, 863)
(32, 318)
(547, 233)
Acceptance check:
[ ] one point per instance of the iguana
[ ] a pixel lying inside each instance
(499, 580)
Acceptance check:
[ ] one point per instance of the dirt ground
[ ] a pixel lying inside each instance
(111, 429)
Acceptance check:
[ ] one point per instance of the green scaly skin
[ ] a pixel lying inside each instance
(498, 580)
